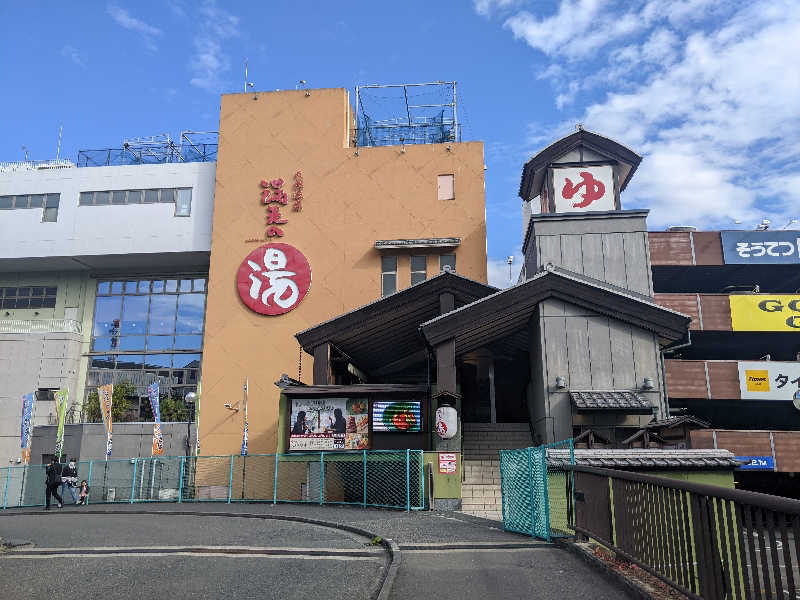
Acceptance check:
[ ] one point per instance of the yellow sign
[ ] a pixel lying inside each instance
(765, 312)
(757, 380)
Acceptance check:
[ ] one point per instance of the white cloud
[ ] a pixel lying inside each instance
(123, 18)
(210, 62)
(74, 55)
(485, 8)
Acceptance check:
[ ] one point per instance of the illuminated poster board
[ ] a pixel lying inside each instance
(397, 417)
(329, 424)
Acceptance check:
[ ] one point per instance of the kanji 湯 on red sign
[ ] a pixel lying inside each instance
(273, 279)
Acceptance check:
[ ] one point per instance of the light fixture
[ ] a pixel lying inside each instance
(647, 383)
(561, 383)
(229, 406)
(190, 398)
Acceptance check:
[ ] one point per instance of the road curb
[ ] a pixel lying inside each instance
(381, 592)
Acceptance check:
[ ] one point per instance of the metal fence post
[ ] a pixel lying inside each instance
(546, 486)
(408, 480)
(532, 529)
(89, 480)
(180, 480)
(230, 481)
(364, 466)
(321, 476)
(275, 481)
(133, 480)
(5, 495)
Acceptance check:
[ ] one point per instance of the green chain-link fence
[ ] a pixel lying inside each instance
(384, 478)
(536, 491)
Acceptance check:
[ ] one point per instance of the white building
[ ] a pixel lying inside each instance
(93, 260)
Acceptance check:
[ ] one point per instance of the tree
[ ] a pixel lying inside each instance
(173, 409)
(120, 403)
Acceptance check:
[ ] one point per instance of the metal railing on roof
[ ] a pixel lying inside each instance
(40, 326)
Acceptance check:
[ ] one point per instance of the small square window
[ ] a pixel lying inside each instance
(199, 285)
(102, 198)
(446, 187)
(388, 275)
(118, 197)
(51, 291)
(6, 202)
(130, 287)
(183, 206)
(418, 269)
(49, 302)
(447, 262)
(86, 199)
(36, 302)
(186, 285)
(134, 196)
(11, 292)
(24, 291)
(144, 287)
(158, 287)
(172, 285)
(116, 287)
(23, 302)
(22, 201)
(150, 196)
(103, 288)
(36, 201)
(37, 291)
(167, 196)
(52, 201)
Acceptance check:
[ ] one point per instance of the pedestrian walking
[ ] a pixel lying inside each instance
(53, 481)
(84, 492)
(69, 480)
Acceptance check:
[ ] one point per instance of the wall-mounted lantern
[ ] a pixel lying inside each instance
(561, 383)
(648, 384)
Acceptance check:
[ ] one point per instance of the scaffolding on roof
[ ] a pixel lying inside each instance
(407, 113)
(194, 146)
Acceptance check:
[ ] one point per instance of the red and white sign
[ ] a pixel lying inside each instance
(448, 463)
(273, 279)
(579, 189)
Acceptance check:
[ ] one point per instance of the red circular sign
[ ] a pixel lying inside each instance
(273, 279)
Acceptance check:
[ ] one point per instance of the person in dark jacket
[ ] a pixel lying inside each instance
(69, 480)
(53, 481)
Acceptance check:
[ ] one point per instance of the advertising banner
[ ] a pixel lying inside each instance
(760, 247)
(26, 427)
(765, 312)
(155, 404)
(757, 463)
(769, 380)
(105, 395)
(448, 463)
(329, 424)
(61, 411)
(396, 417)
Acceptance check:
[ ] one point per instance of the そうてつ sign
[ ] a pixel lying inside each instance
(273, 279)
(760, 247)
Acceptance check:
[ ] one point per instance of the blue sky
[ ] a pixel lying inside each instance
(708, 92)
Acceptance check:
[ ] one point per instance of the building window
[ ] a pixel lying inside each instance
(28, 297)
(181, 197)
(148, 329)
(183, 207)
(47, 202)
(419, 272)
(446, 187)
(388, 275)
(447, 262)
(50, 214)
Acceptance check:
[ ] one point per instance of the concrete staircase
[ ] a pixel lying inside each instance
(480, 491)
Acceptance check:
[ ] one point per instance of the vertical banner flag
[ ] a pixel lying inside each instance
(158, 438)
(26, 427)
(244, 435)
(105, 396)
(61, 411)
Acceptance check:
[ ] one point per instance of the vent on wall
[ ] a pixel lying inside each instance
(685, 228)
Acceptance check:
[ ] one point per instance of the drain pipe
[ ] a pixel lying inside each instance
(682, 343)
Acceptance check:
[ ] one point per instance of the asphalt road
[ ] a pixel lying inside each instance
(90, 554)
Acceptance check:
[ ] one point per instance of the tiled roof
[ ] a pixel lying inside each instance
(611, 400)
(679, 420)
(637, 459)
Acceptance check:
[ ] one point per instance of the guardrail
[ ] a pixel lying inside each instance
(705, 541)
(39, 326)
(382, 478)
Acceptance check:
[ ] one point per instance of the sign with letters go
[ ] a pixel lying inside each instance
(273, 279)
(760, 247)
(579, 189)
(765, 312)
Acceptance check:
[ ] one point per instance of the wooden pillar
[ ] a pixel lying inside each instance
(322, 365)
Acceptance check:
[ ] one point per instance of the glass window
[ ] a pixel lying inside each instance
(116, 287)
(36, 201)
(199, 285)
(37, 291)
(447, 262)
(134, 315)
(50, 291)
(101, 344)
(6, 202)
(85, 198)
(418, 269)
(49, 302)
(130, 287)
(150, 196)
(11, 292)
(183, 207)
(446, 187)
(50, 215)
(186, 361)
(118, 197)
(102, 362)
(36, 303)
(130, 361)
(24, 291)
(160, 342)
(188, 342)
(106, 315)
(156, 361)
(172, 285)
(131, 342)
(144, 287)
(102, 198)
(103, 288)
(186, 285)
(23, 302)
(22, 201)
(158, 287)
(134, 196)
(190, 313)
(167, 195)
(388, 275)
(162, 314)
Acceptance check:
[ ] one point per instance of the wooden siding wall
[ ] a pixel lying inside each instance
(717, 379)
(685, 248)
(709, 312)
(754, 443)
(592, 352)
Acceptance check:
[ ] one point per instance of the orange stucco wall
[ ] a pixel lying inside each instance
(350, 200)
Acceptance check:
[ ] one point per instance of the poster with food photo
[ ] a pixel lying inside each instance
(329, 424)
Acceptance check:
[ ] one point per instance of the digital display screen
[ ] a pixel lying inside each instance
(397, 417)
